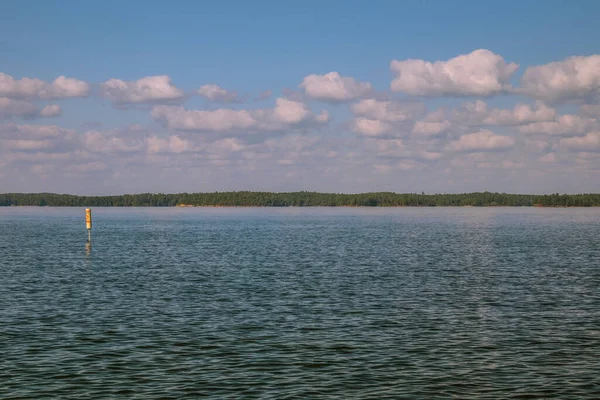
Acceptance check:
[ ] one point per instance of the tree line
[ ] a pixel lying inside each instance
(301, 199)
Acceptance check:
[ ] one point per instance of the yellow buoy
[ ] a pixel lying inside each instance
(88, 222)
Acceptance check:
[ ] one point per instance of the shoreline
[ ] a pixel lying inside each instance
(303, 199)
(217, 206)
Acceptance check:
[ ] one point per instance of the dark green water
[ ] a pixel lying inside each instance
(300, 303)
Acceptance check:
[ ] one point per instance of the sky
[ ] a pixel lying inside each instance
(332, 96)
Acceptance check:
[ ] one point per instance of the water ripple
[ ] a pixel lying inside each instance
(295, 304)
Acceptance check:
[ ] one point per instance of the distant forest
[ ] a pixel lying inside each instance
(301, 199)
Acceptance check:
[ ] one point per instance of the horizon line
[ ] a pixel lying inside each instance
(302, 191)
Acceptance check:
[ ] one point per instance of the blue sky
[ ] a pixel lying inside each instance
(120, 142)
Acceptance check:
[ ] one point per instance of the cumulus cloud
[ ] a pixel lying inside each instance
(37, 157)
(483, 140)
(430, 155)
(28, 131)
(151, 89)
(36, 138)
(565, 125)
(378, 117)
(428, 129)
(537, 145)
(371, 127)
(480, 73)
(93, 166)
(293, 143)
(332, 87)
(264, 95)
(51, 110)
(507, 164)
(217, 94)
(438, 115)
(51, 144)
(387, 148)
(221, 120)
(111, 142)
(575, 78)
(396, 148)
(591, 110)
(11, 108)
(171, 144)
(548, 158)
(249, 142)
(224, 146)
(477, 113)
(291, 150)
(32, 88)
(387, 111)
(589, 142)
(26, 144)
(286, 114)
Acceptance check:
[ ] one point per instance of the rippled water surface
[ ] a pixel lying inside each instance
(300, 303)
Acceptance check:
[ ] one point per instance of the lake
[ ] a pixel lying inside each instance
(300, 303)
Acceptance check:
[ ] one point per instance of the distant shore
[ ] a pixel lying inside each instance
(371, 207)
(303, 199)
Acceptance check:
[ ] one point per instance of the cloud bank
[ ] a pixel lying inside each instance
(464, 122)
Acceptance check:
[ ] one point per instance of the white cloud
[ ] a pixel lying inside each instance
(371, 127)
(51, 110)
(109, 142)
(591, 110)
(264, 95)
(565, 125)
(427, 129)
(27, 131)
(382, 168)
(26, 144)
(217, 94)
(588, 158)
(38, 157)
(172, 144)
(67, 87)
(387, 148)
(18, 108)
(507, 164)
(291, 112)
(387, 111)
(291, 150)
(481, 141)
(221, 120)
(574, 78)
(93, 166)
(11, 108)
(36, 138)
(477, 113)
(438, 115)
(480, 73)
(548, 158)
(334, 88)
(589, 142)
(248, 144)
(396, 148)
(32, 88)
(522, 114)
(376, 117)
(225, 146)
(286, 114)
(537, 145)
(430, 155)
(151, 89)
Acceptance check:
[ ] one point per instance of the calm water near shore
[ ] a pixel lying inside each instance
(300, 303)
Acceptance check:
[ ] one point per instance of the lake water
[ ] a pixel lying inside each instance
(300, 303)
